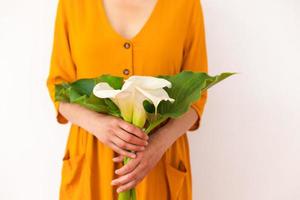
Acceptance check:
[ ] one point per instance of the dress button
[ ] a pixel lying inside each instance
(126, 71)
(126, 45)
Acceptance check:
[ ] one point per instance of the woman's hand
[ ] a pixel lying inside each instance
(122, 136)
(119, 135)
(134, 172)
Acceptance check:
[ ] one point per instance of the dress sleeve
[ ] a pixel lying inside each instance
(195, 55)
(62, 68)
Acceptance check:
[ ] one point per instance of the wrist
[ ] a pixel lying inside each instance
(166, 135)
(94, 122)
(160, 140)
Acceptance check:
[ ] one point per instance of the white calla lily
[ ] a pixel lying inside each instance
(139, 114)
(121, 98)
(156, 96)
(134, 91)
(104, 90)
(146, 82)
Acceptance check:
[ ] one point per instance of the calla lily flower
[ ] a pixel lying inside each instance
(131, 96)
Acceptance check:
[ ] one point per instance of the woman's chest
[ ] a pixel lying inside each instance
(128, 17)
(97, 48)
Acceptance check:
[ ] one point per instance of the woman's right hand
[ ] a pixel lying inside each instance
(119, 135)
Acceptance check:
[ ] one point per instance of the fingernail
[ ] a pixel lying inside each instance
(142, 148)
(119, 190)
(117, 171)
(113, 183)
(147, 143)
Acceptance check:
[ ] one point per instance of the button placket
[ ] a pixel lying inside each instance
(127, 70)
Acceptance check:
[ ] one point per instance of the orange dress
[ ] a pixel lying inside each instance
(85, 45)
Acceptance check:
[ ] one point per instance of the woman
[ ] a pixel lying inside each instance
(124, 38)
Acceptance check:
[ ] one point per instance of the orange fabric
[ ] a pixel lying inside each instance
(86, 45)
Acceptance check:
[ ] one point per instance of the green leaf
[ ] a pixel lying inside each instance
(84, 86)
(148, 106)
(114, 81)
(112, 107)
(92, 103)
(187, 87)
(81, 92)
(61, 92)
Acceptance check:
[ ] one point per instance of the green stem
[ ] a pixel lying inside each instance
(155, 124)
(125, 195)
(129, 194)
(133, 194)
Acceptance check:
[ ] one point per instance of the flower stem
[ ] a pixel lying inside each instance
(125, 195)
(129, 194)
(155, 124)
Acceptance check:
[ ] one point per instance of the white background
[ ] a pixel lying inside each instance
(249, 143)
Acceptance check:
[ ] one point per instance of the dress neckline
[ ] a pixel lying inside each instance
(143, 28)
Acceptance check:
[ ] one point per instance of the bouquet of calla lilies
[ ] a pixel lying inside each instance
(144, 101)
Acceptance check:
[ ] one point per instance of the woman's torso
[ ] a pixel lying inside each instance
(97, 48)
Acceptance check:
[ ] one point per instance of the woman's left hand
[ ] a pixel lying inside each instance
(136, 169)
(134, 172)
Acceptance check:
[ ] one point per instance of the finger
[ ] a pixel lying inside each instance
(126, 146)
(130, 138)
(129, 167)
(122, 180)
(119, 158)
(121, 151)
(133, 130)
(127, 186)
